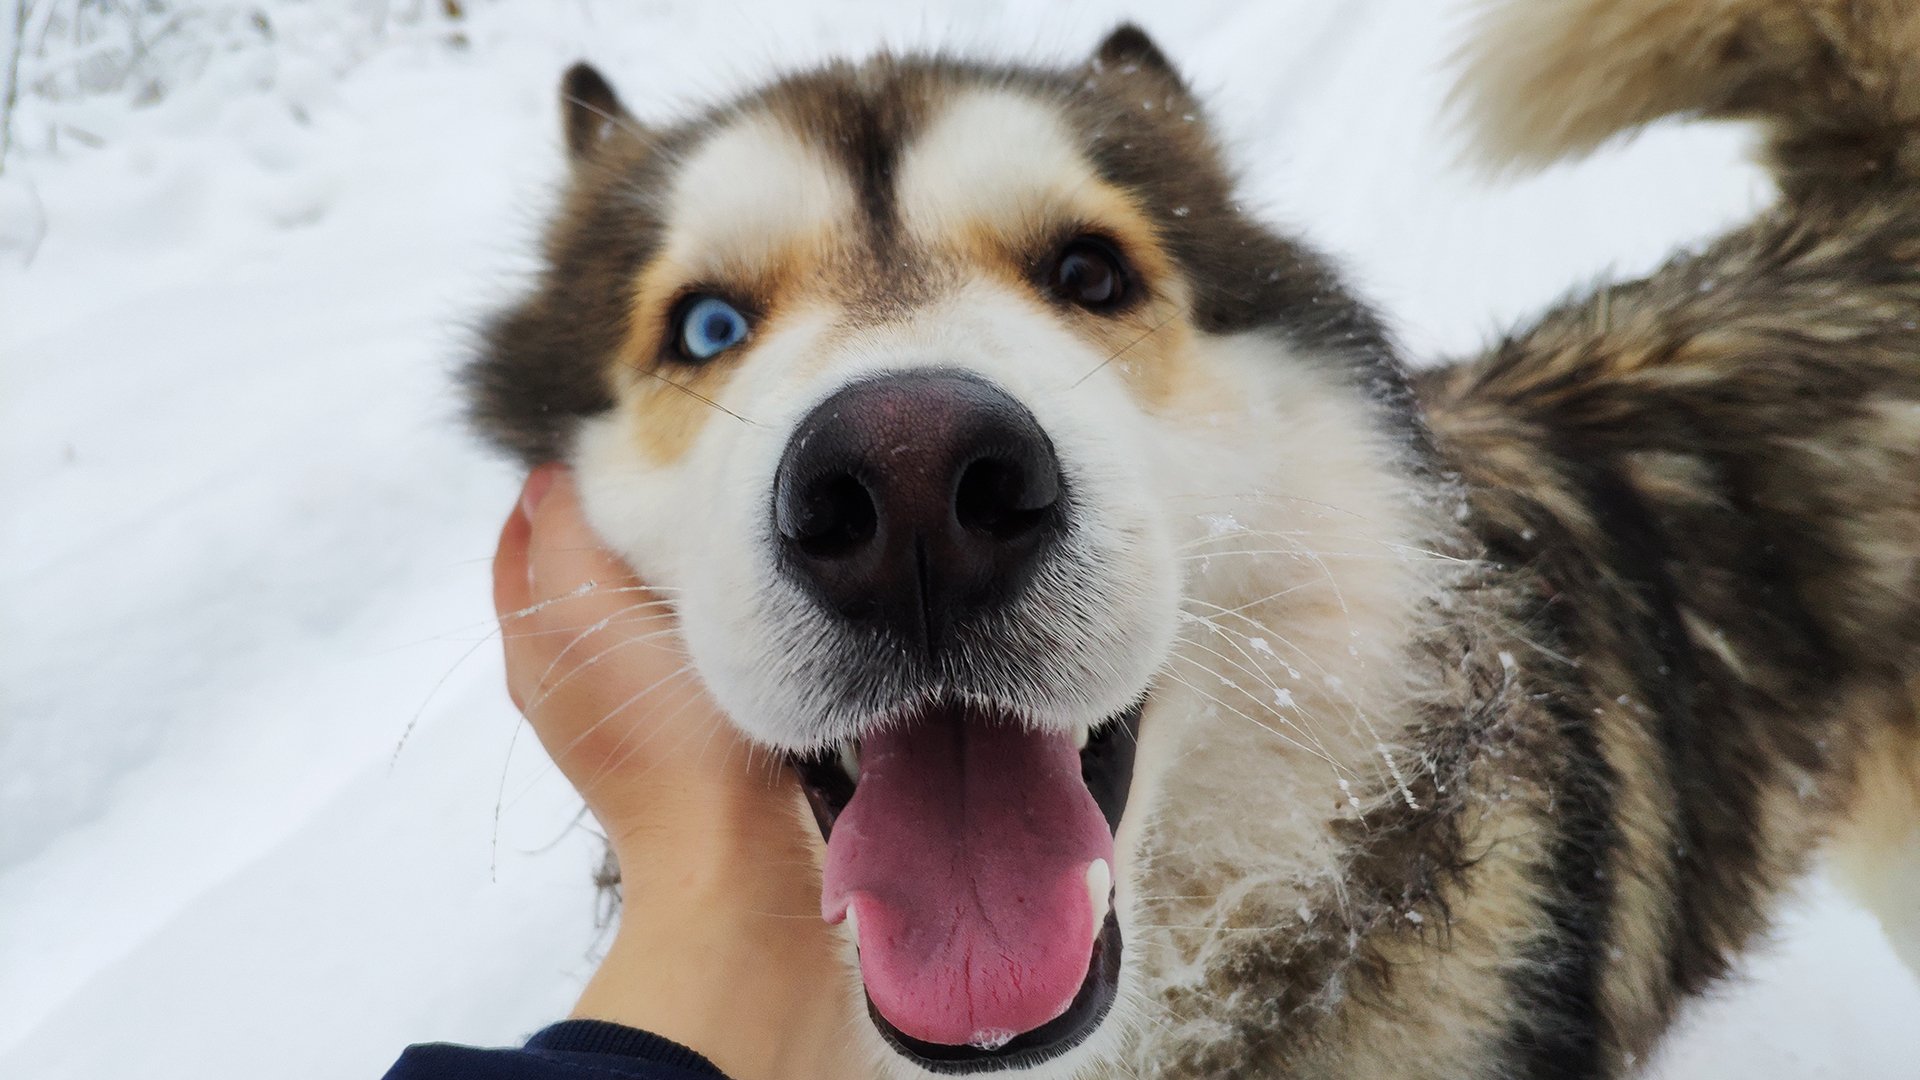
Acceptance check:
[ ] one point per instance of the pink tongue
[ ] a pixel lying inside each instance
(964, 856)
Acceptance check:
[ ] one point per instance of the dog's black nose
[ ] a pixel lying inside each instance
(917, 500)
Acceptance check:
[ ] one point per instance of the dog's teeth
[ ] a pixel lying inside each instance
(850, 761)
(853, 927)
(1099, 893)
(1082, 734)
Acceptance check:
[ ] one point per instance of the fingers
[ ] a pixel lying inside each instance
(594, 659)
(588, 609)
(512, 590)
(567, 559)
(596, 664)
(556, 589)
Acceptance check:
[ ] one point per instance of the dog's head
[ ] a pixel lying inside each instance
(975, 431)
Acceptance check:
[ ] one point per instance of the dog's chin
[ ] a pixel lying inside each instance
(970, 851)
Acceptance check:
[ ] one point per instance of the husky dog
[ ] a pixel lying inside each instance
(1184, 686)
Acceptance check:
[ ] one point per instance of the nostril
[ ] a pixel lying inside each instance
(832, 518)
(1004, 499)
(916, 503)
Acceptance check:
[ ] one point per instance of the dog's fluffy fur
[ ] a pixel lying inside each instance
(1490, 709)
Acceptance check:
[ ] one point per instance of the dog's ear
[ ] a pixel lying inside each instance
(590, 112)
(1130, 45)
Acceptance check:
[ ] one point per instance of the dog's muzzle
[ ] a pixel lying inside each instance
(970, 843)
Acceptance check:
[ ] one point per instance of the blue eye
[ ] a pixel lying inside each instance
(710, 326)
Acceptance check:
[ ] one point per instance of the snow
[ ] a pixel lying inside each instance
(246, 542)
(1220, 524)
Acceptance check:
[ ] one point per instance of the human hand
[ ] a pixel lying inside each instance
(721, 946)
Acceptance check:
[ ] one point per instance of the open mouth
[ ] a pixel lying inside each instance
(972, 857)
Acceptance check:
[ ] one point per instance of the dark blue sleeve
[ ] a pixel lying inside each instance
(570, 1050)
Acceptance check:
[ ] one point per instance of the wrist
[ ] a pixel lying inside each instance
(707, 956)
(712, 848)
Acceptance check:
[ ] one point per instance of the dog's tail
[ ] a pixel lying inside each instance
(1836, 82)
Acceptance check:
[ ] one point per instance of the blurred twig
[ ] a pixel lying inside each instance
(15, 47)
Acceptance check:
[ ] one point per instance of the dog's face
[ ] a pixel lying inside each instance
(994, 460)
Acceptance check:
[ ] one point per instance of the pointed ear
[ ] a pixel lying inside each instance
(1128, 44)
(590, 111)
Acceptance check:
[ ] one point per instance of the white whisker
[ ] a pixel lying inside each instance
(1276, 732)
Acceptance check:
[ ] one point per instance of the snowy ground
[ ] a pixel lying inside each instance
(245, 546)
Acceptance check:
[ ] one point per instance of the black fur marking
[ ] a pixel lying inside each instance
(1657, 652)
(858, 126)
(872, 151)
(1128, 44)
(543, 364)
(1720, 877)
(1669, 679)
(590, 111)
(1563, 1035)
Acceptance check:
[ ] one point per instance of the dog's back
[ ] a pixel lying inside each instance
(1743, 427)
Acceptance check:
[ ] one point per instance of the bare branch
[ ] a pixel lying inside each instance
(11, 96)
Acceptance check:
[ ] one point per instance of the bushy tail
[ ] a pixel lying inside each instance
(1836, 82)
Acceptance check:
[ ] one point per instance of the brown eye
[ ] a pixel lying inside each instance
(1088, 272)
